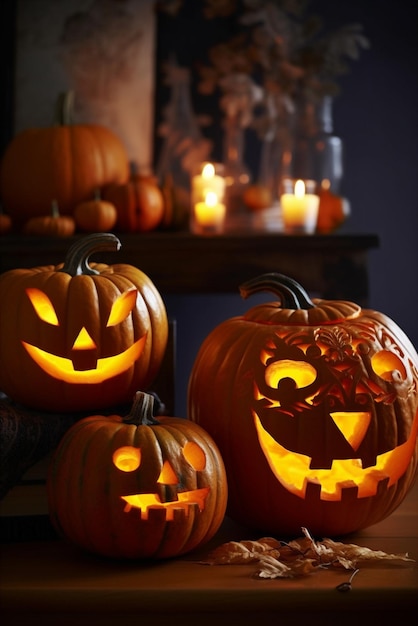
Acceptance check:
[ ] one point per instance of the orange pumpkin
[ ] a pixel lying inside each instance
(95, 216)
(5, 223)
(314, 407)
(134, 487)
(80, 336)
(64, 162)
(54, 225)
(139, 203)
(333, 210)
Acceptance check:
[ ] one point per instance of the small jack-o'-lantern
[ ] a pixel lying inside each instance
(79, 336)
(314, 407)
(136, 487)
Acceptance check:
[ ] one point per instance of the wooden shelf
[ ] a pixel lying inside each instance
(332, 266)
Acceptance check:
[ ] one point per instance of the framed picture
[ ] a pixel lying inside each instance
(103, 51)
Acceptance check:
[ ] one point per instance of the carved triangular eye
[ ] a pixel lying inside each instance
(122, 307)
(42, 305)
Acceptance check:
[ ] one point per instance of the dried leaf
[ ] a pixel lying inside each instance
(273, 568)
(239, 552)
(302, 556)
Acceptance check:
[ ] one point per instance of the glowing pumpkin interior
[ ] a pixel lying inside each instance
(84, 365)
(295, 391)
(168, 497)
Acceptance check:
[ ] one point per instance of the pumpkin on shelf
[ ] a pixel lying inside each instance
(66, 162)
(53, 225)
(80, 336)
(333, 210)
(137, 487)
(96, 215)
(314, 407)
(139, 202)
(5, 222)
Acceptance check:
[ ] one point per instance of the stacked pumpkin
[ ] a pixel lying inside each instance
(73, 176)
(83, 337)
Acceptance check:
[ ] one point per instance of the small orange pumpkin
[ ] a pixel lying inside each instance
(66, 162)
(333, 210)
(139, 203)
(5, 222)
(134, 487)
(54, 225)
(95, 216)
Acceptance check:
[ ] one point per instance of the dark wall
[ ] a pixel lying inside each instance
(376, 115)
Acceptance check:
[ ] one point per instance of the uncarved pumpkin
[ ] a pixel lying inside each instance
(134, 487)
(80, 336)
(314, 407)
(66, 162)
(139, 203)
(53, 225)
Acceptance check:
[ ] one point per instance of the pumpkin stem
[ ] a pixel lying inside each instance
(292, 295)
(65, 108)
(54, 209)
(142, 411)
(77, 259)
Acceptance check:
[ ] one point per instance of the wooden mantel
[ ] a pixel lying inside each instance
(332, 266)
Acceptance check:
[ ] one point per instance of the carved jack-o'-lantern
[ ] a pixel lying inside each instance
(136, 487)
(79, 336)
(314, 407)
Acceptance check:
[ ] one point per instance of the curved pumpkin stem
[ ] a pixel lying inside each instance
(65, 108)
(77, 259)
(142, 411)
(292, 295)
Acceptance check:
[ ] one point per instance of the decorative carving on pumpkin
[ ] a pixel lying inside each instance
(82, 363)
(315, 413)
(128, 459)
(314, 407)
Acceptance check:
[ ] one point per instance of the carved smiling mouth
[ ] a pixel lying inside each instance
(105, 368)
(145, 501)
(293, 470)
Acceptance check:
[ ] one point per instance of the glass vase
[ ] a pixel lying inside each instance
(183, 146)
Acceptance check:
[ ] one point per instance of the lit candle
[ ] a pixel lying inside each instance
(299, 210)
(207, 180)
(208, 190)
(209, 214)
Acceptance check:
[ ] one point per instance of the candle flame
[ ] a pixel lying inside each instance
(299, 189)
(211, 199)
(208, 171)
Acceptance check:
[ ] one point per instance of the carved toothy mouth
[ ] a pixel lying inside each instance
(145, 501)
(106, 368)
(293, 470)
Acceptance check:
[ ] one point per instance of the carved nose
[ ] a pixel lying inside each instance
(84, 352)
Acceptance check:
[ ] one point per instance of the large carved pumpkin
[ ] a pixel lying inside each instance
(65, 163)
(135, 487)
(314, 407)
(80, 336)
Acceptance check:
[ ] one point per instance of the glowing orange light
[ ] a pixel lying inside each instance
(122, 307)
(42, 305)
(63, 368)
(127, 458)
(83, 341)
(293, 471)
(167, 475)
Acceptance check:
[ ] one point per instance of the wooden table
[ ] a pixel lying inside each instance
(331, 266)
(53, 583)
